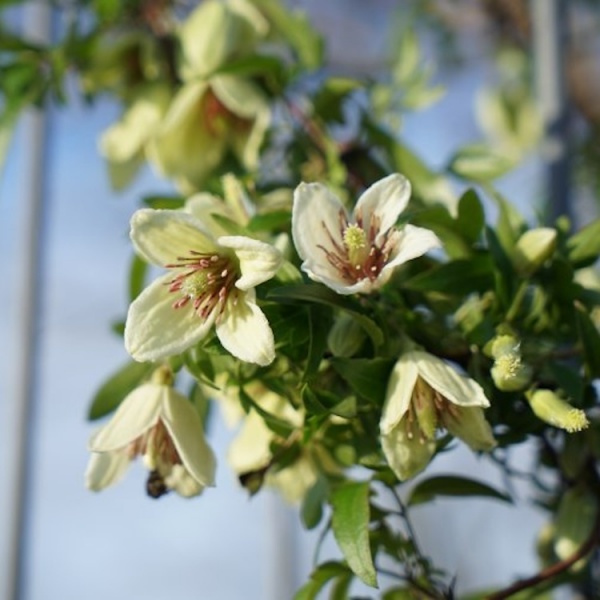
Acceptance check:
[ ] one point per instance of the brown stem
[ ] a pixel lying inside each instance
(552, 570)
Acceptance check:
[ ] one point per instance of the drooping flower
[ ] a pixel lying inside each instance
(124, 144)
(356, 253)
(205, 120)
(424, 395)
(159, 424)
(210, 282)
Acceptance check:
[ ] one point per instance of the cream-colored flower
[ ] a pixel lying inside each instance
(356, 253)
(123, 145)
(424, 395)
(206, 119)
(210, 282)
(161, 425)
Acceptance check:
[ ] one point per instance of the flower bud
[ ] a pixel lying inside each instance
(346, 336)
(548, 407)
(533, 249)
(509, 372)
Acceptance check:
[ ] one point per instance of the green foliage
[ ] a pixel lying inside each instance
(325, 407)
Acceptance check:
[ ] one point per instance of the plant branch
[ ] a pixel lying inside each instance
(553, 570)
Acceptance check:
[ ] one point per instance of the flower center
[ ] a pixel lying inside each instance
(355, 241)
(157, 448)
(359, 256)
(204, 280)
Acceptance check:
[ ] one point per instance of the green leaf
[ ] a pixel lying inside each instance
(138, 268)
(584, 247)
(120, 384)
(461, 276)
(479, 162)
(319, 322)
(350, 525)
(319, 578)
(270, 221)
(322, 295)
(161, 201)
(296, 30)
(471, 217)
(367, 377)
(311, 511)
(590, 339)
(450, 485)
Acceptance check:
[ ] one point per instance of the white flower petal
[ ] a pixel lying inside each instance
(242, 97)
(105, 468)
(315, 211)
(185, 427)
(154, 329)
(138, 412)
(244, 331)
(385, 199)
(406, 455)
(398, 394)
(180, 480)
(185, 148)
(258, 260)
(204, 206)
(411, 242)
(250, 450)
(162, 236)
(458, 389)
(471, 427)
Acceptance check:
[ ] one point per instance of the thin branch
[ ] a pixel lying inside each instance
(553, 570)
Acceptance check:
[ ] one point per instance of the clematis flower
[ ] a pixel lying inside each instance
(424, 395)
(159, 424)
(123, 144)
(210, 282)
(356, 253)
(206, 119)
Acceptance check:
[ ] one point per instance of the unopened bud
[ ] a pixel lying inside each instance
(548, 407)
(509, 372)
(533, 249)
(346, 336)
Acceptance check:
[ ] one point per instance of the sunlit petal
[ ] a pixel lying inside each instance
(105, 469)
(399, 393)
(138, 412)
(155, 329)
(162, 236)
(469, 425)
(184, 425)
(244, 331)
(406, 455)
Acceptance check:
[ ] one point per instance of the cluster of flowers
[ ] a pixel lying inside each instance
(210, 282)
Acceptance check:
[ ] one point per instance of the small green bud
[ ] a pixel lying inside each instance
(509, 372)
(533, 249)
(548, 407)
(346, 336)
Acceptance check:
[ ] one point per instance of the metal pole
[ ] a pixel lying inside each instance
(550, 33)
(37, 28)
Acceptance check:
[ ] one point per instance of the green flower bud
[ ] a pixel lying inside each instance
(533, 249)
(548, 407)
(346, 336)
(509, 372)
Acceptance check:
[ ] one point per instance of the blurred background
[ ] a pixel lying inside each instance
(223, 545)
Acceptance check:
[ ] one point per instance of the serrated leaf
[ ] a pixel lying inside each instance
(350, 525)
(113, 391)
(451, 485)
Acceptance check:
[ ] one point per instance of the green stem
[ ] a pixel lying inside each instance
(517, 301)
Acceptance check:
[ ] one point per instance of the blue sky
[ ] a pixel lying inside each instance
(119, 543)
